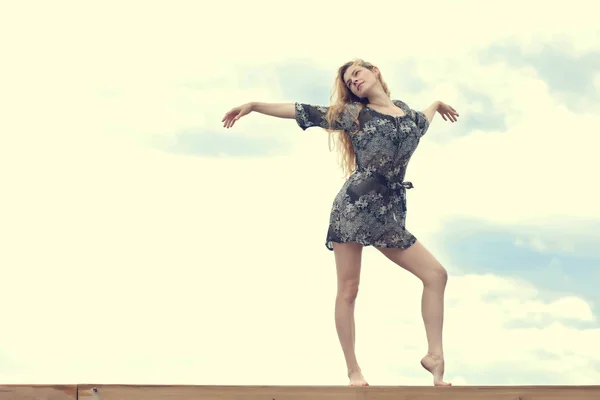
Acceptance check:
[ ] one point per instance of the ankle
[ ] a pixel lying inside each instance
(436, 355)
(354, 371)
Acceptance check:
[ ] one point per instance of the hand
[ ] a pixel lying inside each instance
(447, 111)
(236, 113)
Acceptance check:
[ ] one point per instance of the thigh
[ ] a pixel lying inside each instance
(348, 257)
(416, 259)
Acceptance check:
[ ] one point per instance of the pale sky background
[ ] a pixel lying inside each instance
(143, 243)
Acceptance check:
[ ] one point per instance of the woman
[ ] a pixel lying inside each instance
(378, 136)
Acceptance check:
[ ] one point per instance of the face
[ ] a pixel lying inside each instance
(360, 80)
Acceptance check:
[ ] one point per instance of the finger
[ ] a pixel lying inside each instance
(227, 115)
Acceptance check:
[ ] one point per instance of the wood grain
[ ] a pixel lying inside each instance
(38, 392)
(133, 392)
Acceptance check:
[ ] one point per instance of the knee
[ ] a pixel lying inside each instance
(347, 291)
(437, 276)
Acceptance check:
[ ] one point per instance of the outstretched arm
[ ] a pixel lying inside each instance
(280, 110)
(431, 110)
(446, 111)
(306, 115)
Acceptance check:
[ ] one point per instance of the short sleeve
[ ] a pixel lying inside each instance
(308, 115)
(421, 120)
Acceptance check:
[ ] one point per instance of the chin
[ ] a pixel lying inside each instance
(364, 92)
(361, 95)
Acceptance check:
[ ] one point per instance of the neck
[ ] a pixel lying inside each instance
(379, 98)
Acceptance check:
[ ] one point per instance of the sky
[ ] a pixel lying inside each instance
(142, 243)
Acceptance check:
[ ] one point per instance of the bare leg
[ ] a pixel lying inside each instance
(348, 264)
(420, 262)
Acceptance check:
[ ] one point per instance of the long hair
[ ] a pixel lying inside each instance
(340, 97)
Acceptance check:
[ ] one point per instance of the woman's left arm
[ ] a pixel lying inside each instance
(430, 111)
(446, 111)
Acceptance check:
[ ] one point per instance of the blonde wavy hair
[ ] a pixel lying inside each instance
(340, 97)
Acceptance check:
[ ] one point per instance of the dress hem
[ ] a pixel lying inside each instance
(329, 244)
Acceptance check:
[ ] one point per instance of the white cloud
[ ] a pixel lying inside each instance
(538, 168)
(215, 270)
(556, 244)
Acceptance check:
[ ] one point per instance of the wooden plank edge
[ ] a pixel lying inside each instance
(481, 387)
(41, 391)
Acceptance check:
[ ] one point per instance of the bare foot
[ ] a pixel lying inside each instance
(435, 365)
(356, 379)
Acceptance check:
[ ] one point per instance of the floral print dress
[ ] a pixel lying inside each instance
(370, 208)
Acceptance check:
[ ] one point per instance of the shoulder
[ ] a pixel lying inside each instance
(347, 115)
(406, 108)
(353, 108)
(401, 104)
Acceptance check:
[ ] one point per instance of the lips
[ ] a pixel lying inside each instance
(359, 86)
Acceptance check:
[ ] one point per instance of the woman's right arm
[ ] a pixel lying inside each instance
(280, 110)
(306, 115)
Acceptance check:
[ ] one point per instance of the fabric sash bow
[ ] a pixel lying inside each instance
(378, 183)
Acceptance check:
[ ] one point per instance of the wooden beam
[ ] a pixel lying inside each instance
(161, 392)
(38, 392)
